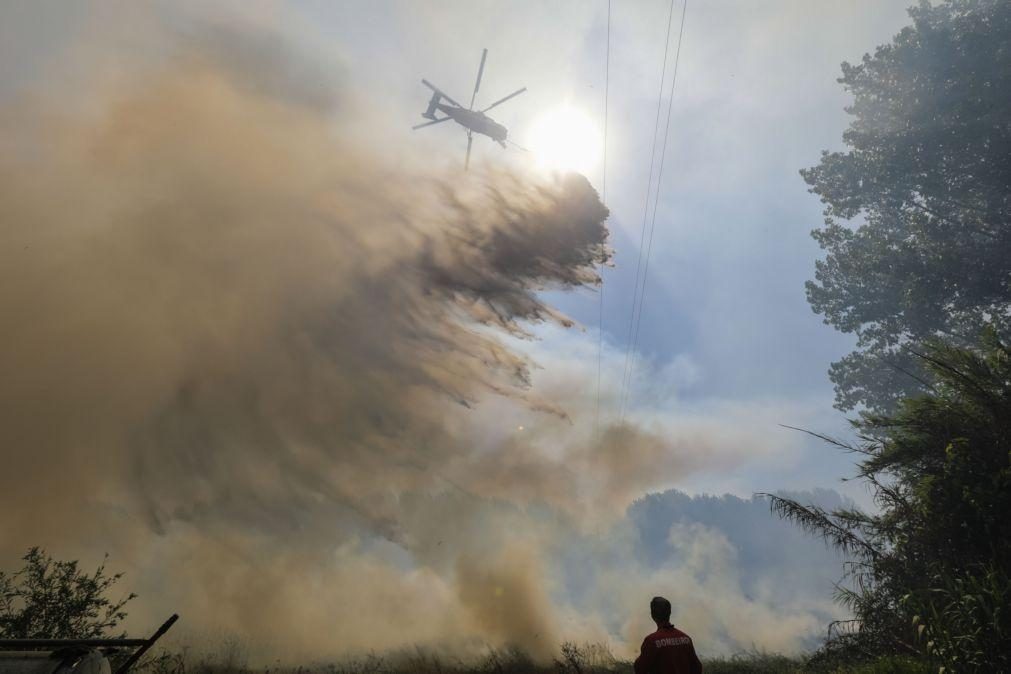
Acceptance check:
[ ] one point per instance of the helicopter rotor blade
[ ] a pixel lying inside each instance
(477, 84)
(466, 161)
(440, 92)
(503, 100)
(438, 121)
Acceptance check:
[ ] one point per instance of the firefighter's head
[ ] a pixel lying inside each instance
(659, 608)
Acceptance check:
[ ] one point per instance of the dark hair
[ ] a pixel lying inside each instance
(659, 608)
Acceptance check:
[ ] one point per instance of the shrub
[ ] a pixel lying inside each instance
(50, 599)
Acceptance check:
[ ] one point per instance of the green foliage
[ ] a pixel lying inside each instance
(48, 599)
(926, 175)
(930, 569)
(965, 619)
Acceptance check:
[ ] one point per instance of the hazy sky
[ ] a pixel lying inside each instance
(725, 324)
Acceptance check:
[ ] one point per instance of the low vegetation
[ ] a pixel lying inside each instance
(573, 659)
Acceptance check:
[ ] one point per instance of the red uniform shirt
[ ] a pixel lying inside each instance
(668, 651)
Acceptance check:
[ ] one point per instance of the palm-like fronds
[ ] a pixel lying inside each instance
(940, 472)
(840, 528)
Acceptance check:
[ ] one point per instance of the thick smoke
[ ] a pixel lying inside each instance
(228, 327)
(246, 353)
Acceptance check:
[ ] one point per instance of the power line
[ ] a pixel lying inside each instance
(656, 201)
(603, 196)
(645, 214)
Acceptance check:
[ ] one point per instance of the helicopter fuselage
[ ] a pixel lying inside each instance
(476, 121)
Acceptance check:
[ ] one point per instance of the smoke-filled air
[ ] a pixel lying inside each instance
(325, 386)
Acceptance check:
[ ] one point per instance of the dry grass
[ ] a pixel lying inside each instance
(572, 659)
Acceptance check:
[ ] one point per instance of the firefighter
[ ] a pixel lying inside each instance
(668, 650)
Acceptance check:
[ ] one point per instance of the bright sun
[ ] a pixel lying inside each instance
(565, 139)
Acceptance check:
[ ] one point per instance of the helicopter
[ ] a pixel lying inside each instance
(474, 121)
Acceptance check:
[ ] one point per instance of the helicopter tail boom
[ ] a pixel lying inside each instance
(439, 92)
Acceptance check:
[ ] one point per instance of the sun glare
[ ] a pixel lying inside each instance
(565, 139)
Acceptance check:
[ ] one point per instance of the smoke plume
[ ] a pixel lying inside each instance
(228, 326)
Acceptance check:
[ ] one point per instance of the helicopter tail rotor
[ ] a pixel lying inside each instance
(440, 92)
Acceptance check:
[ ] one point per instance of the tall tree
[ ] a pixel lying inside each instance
(917, 229)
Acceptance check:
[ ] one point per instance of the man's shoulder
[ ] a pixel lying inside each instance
(667, 632)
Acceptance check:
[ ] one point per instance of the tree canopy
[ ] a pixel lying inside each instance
(917, 211)
(932, 568)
